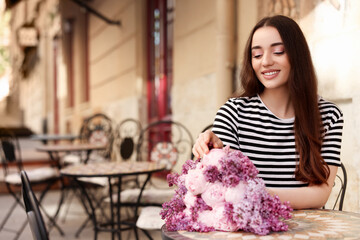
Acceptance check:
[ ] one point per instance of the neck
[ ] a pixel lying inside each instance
(278, 102)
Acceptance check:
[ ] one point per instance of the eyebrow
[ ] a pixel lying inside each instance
(272, 45)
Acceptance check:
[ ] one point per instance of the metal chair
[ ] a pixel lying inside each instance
(32, 210)
(126, 136)
(165, 142)
(96, 129)
(339, 190)
(43, 177)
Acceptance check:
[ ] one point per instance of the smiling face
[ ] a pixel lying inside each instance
(269, 58)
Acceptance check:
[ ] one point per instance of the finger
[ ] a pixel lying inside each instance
(204, 141)
(195, 152)
(198, 149)
(217, 143)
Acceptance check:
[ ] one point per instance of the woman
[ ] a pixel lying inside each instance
(291, 135)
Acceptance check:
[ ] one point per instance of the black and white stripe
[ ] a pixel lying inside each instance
(248, 125)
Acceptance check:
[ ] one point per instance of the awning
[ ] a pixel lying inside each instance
(12, 3)
(96, 13)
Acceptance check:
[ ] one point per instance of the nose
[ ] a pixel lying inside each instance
(267, 59)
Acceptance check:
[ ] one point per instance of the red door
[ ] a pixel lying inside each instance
(160, 35)
(160, 38)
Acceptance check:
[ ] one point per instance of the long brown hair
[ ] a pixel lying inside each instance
(302, 85)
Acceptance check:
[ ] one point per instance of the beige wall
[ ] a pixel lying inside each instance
(195, 57)
(116, 62)
(117, 59)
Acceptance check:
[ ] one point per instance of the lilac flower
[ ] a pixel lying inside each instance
(172, 179)
(212, 173)
(253, 210)
(199, 206)
(189, 164)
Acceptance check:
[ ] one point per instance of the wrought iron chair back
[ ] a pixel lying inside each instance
(98, 129)
(32, 209)
(337, 197)
(10, 154)
(341, 181)
(165, 141)
(126, 136)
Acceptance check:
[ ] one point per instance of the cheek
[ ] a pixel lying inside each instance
(287, 67)
(256, 66)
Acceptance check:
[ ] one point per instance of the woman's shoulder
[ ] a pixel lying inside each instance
(251, 101)
(326, 106)
(329, 110)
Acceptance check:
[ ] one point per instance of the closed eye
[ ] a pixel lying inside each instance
(279, 53)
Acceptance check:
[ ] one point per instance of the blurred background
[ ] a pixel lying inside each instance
(64, 60)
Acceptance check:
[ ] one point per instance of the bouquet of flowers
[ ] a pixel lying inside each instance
(222, 192)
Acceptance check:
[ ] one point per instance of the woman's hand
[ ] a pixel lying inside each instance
(201, 145)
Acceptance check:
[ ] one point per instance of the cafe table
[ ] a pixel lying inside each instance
(304, 224)
(53, 137)
(111, 170)
(55, 149)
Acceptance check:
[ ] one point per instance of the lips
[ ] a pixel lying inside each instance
(270, 74)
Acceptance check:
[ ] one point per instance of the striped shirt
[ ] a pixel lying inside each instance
(246, 124)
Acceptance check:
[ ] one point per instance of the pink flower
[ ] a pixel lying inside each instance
(195, 181)
(207, 218)
(223, 224)
(236, 194)
(213, 157)
(214, 194)
(189, 199)
(216, 219)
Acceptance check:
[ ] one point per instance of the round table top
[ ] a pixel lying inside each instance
(53, 137)
(109, 169)
(305, 224)
(70, 147)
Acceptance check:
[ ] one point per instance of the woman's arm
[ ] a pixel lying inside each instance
(314, 196)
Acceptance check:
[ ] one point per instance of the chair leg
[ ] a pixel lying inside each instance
(69, 196)
(17, 202)
(8, 215)
(52, 219)
(136, 233)
(97, 206)
(19, 232)
(147, 234)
